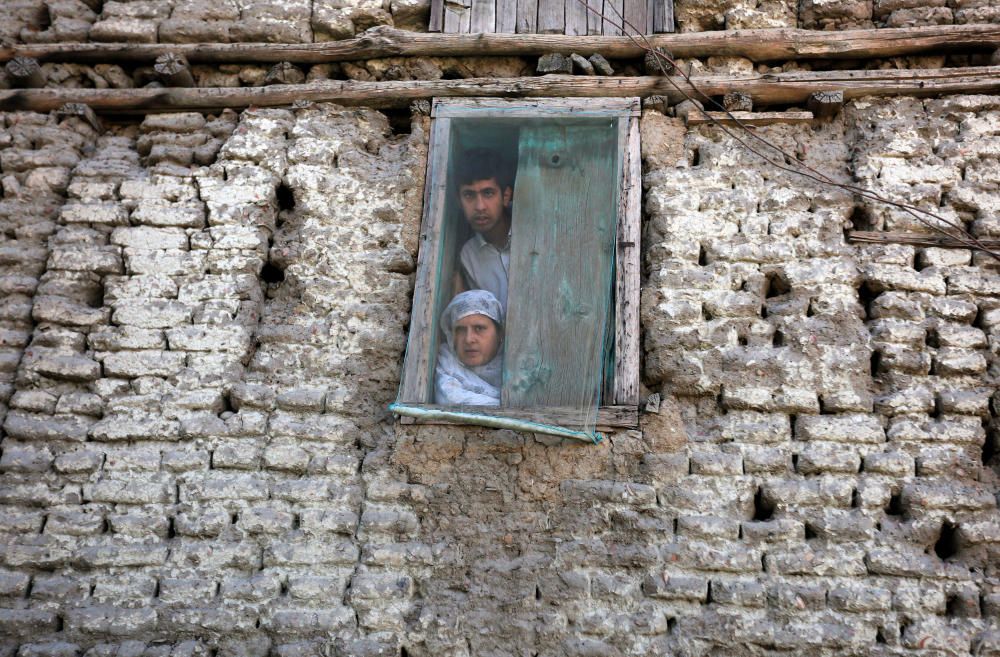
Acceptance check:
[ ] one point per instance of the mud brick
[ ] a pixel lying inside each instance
(818, 458)
(31, 426)
(59, 310)
(184, 460)
(742, 593)
(236, 455)
(219, 620)
(120, 426)
(824, 492)
(976, 532)
(754, 427)
(186, 591)
(732, 495)
(85, 522)
(950, 361)
(908, 400)
(286, 458)
(235, 339)
(895, 464)
(258, 588)
(319, 588)
(169, 262)
(962, 402)
(118, 555)
(840, 428)
(311, 553)
(917, 497)
(140, 523)
(129, 491)
(708, 527)
(717, 556)
(146, 237)
(716, 463)
(796, 598)
(215, 554)
(842, 561)
(126, 337)
(578, 491)
(25, 458)
(14, 585)
(304, 490)
(202, 523)
(218, 486)
(400, 555)
(111, 621)
(388, 521)
(765, 460)
(309, 621)
(837, 525)
(169, 216)
(667, 586)
(321, 428)
(266, 520)
(25, 623)
(773, 531)
(109, 214)
(100, 260)
(152, 313)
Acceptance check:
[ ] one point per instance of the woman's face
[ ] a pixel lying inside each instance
(477, 340)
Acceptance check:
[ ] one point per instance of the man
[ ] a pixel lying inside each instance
(485, 193)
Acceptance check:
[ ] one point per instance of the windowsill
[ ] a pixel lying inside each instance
(608, 417)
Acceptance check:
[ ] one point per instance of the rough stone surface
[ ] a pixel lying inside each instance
(203, 320)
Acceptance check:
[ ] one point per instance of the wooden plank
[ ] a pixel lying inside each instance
(613, 11)
(650, 13)
(663, 17)
(534, 107)
(561, 266)
(421, 346)
(527, 18)
(635, 17)
(576, 17)
(921, 239)
(507, 16)
(457, 16)
(762, 45)
(436, 23)
(551, 16)
(608, 417)
(483, 19)
(778, 88)
(627, 273)
(748, 118)
(595, 20)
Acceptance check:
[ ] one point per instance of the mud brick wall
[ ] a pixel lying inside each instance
(203, 320)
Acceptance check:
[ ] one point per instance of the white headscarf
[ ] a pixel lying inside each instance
(454, 382)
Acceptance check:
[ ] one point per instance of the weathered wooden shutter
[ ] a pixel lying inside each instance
(561, 268)
(576, 17)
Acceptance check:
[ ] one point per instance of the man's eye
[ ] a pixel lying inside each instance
(488, 193)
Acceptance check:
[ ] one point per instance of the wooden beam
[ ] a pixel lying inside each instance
(915, 239)
(758, 45)
(769, 89)
(25, 72)
(825, 104)
(748, 118)
(608, 417)
(173, 70)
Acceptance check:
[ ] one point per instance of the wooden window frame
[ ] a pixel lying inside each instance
(416, 387)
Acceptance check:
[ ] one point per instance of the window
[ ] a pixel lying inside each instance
(534, 205)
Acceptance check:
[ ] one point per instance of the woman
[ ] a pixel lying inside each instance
(469, 364)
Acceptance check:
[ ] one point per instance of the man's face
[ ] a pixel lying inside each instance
(477, 340)
(484, 203)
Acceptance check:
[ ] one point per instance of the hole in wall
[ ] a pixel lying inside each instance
(861, 219)
(285, 197)
(990, 445)
(695, 157)
(895, 506)
(538, 593)
(399, 120)
(778, 339)
(880, 635)
(272, 274)
(810, 532)
(762, 509)
(866, 295)
(702, 255)
(875, 363)
(947, 543)
(954, 606)
(776, 285)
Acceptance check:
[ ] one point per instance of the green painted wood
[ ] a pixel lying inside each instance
(562, 250)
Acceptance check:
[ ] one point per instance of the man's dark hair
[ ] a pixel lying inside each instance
(483, 164)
